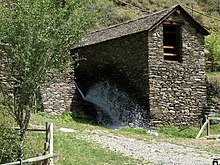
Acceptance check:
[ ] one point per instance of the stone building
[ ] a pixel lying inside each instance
(158, 59)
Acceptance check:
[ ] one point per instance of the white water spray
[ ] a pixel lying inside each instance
(81, 93)
(115, 108)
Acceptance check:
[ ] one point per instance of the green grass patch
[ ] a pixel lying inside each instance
(191, 132)
(214, 77)
(77, 151)
(72, 149)
(134, 131)
(174, 132)
(215, 128)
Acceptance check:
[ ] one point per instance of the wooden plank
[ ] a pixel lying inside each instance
(201, 130)
(31, 160)
(32, 129)
(48, 147)
(169, 47)
(47, 132)
(208, 127)
(12, 163)
(36, 159)
(214, 118)
(169, 54)
(51, 143)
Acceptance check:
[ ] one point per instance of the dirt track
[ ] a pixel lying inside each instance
(156, 152)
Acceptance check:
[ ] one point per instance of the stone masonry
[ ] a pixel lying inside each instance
(177, 91)
(132, 54)
(57, 97)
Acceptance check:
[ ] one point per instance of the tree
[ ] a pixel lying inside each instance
(35, 39)
(212, 44)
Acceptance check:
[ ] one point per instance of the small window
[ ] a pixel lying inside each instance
(171, 42)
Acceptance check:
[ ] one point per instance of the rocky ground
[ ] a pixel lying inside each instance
(151, 150)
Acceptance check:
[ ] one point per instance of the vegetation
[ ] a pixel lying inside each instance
(214, 77)
(213, 88)
(75, 150)
(213, 46)
(36, 37)
(207, 12)
(70, 148)
(8, 139)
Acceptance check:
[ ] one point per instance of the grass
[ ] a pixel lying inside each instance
(174, 132)
(171, 132)
(73, 150)
(78, 151)
(134, 131)
(214, 77)
(68, 143)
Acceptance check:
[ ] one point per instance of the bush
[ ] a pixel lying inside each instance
(212, 44)
(8, 141)
(8, 137)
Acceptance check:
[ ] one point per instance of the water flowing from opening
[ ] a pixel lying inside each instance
(115, 108)
(80, 92)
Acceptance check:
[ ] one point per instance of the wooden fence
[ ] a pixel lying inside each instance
(47, 157)
(207, 125)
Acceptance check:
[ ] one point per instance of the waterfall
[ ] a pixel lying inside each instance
(115, 108)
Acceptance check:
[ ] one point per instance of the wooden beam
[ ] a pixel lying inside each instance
(201, 130)
(214, 118)
(51, 143)
(31, 160)
(169, 47)
(32, 129)
(208, 127)
(169, 54)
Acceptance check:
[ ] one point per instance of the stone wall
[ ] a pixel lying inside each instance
(177, 91)
(58, 96)
(122, 60)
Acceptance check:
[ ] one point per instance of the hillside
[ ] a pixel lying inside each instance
(207, 12)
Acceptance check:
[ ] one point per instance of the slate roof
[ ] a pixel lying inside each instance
(145, 23)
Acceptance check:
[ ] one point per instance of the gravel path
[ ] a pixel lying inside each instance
(157, 152)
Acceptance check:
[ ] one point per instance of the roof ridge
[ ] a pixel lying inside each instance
(133, 20)
(145, 23)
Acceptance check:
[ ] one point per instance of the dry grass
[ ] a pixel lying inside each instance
(214, 77)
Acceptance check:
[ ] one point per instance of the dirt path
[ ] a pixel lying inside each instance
(156, 152)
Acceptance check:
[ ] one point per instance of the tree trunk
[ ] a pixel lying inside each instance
(21, 142)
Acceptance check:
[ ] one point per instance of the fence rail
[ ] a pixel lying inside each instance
(33, 129)
(207, 125)
(47, 158)
(31, 160)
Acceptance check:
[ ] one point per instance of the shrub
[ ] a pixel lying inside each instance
(8, 140)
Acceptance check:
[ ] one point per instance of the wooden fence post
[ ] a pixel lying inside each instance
(51, 143)
(39, 162)
(208, 126)
(46, 144)
(203, 127)
(20, 160)
(47, 157)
